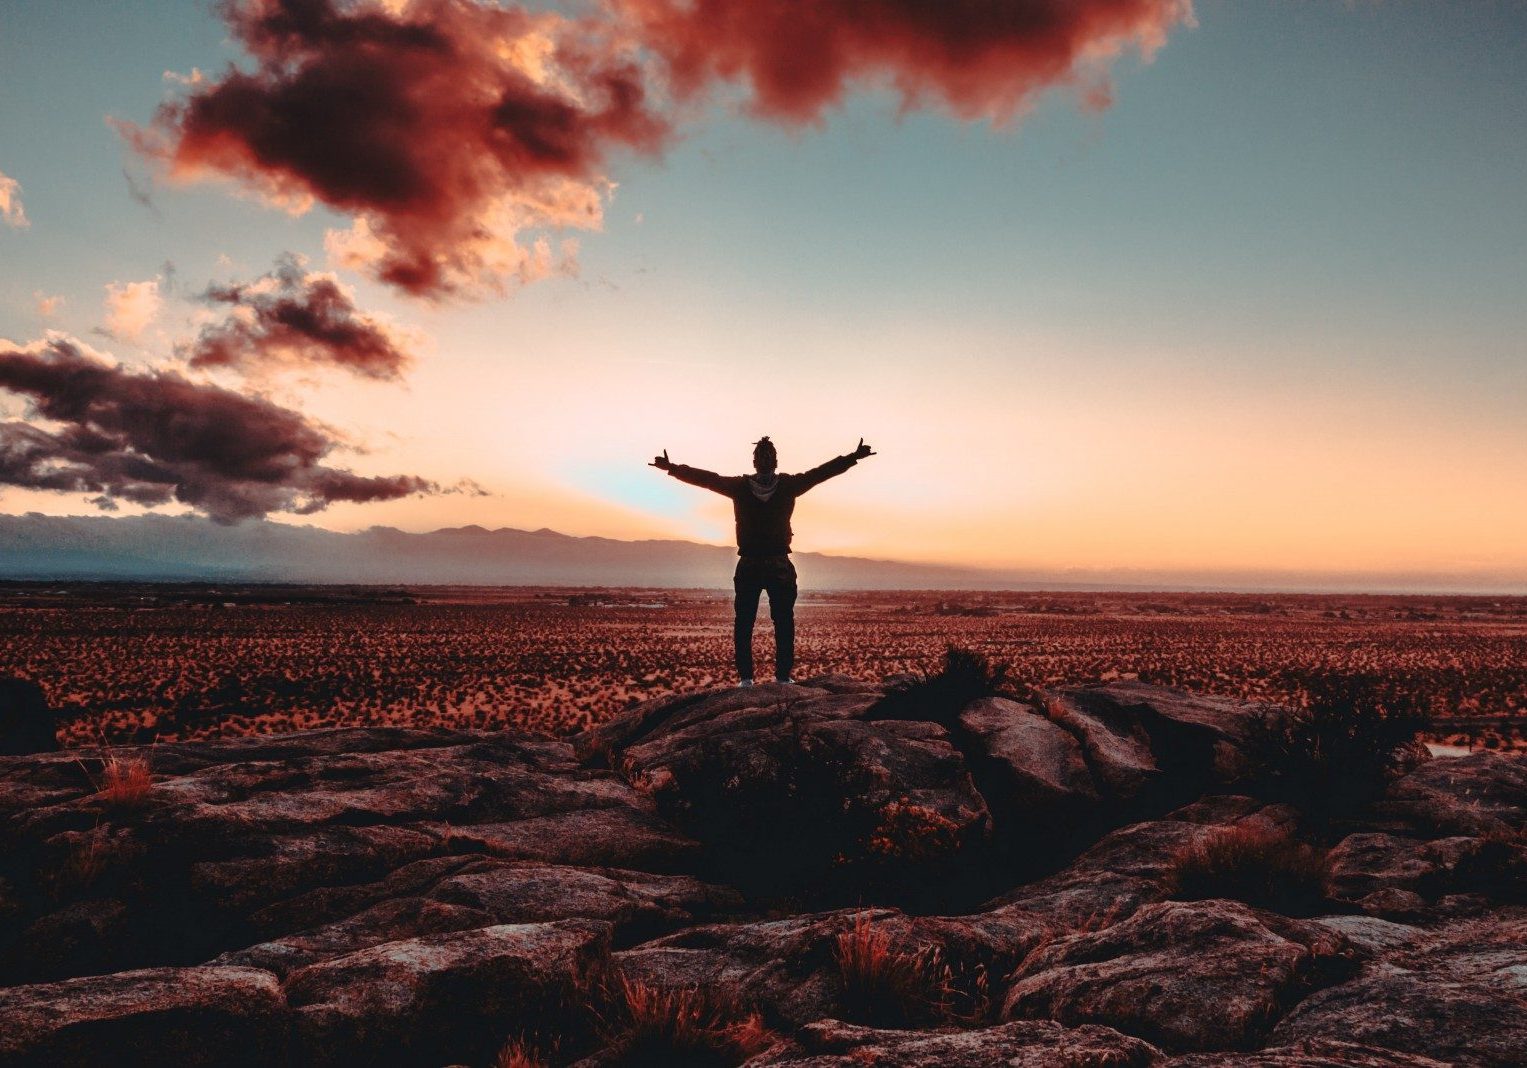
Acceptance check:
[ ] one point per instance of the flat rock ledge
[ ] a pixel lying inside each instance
(1010, 871)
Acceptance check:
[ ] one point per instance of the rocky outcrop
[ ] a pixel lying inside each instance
(1483, 793)
(461, 893)
(1205, 975)
(1022, 1044)
(210, 1016)
(1001, 888)
(1373, 870)
(243, 842)
(1027, 765)
(432, 1000)
(787, 789)
(1148, 745)
(1312, 1053)
(1458, 995)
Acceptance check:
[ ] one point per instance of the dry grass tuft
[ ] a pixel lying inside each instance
(519, 1053)
(891, 985)
(126, 781)
(1256, 864)
(650, 1024)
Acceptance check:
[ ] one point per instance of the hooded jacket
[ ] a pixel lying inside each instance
(762, 513)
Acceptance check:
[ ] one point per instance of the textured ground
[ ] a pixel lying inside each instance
(425, 896)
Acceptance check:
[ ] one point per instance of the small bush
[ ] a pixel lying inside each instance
(1338, 750)
(1259, 865)
(941, 696)
(651, 1025)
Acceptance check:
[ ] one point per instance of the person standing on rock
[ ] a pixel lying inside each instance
(762, 503)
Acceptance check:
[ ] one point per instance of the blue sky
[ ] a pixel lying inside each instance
(1294, 248)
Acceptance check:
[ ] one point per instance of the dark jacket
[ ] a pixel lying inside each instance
(763, 527)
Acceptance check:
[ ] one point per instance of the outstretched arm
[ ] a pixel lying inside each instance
(836, 466)
(695, 476)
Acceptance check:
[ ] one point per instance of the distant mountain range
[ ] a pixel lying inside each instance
(188, 548)
(174, 548)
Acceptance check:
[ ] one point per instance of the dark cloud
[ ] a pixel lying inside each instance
(449, 130)
(295, 318)
(979, 58)
(153, 437)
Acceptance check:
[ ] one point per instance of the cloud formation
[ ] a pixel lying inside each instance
(460, 135)
(153, 437)
(11, 211)
(130, 308)
(296, 318)
(454, 132)
(978, 58)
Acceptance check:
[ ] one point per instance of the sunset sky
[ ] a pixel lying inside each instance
(1229, 287)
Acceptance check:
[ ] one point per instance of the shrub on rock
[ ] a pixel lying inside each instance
(1350, 739)
(1251, 862)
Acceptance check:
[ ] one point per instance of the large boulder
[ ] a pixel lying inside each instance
(213, 1016)
(442, 998)
(26, 724)
(1202, 975)
(1459, 995)
(1373, 866)
(1126, 868)
(238, 838)
(1309, 1053)
(483, 893)
(1030, 769)
(1483, 793)
(788, 791)
(1020, 1044)
(1150, 745)
(789, 969)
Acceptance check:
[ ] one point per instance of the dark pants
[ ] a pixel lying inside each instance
(756, 574)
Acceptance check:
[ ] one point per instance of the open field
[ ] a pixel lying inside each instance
(134, 663)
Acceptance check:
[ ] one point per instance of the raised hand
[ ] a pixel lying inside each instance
(862, 451)
(662, 463)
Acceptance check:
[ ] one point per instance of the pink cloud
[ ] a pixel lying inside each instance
(454, 132)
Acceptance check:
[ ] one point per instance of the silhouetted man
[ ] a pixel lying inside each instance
(762, 503)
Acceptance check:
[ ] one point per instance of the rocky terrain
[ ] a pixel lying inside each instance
(808, 875)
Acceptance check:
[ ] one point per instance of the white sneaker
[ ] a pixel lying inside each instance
(744, 684)
(786, 682)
